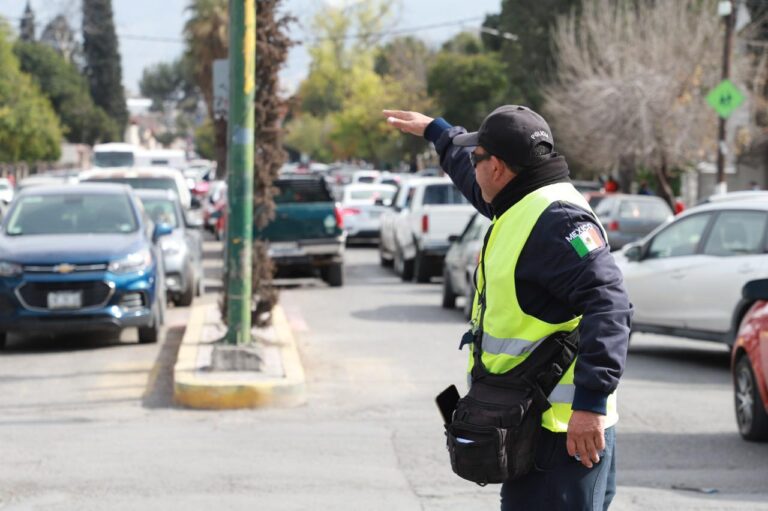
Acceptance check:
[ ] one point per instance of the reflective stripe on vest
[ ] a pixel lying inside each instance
(509, 334)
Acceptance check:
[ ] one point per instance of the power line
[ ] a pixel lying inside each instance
(362, 35)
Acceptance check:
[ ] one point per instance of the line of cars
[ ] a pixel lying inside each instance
(107, 252)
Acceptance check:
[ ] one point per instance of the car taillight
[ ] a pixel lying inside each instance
(350, 211)
(613, 226)
(339, 217)
(425, 224)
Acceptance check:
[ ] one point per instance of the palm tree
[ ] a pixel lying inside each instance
(207, 39)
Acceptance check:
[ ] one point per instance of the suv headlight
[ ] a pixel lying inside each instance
(9, 269)
(134, 262)
(172, 247)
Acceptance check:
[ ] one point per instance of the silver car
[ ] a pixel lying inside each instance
(461, 261)
(182, 248)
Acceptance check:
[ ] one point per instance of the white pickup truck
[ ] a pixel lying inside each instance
(415, 230)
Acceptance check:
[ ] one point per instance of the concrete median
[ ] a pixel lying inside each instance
(280, 382)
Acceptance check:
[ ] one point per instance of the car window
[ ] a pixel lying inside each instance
(142, 183)
(736, 233)
(72, 214)
(477, 230)
(443, 194)
(162, 211)
(602, 206)
(680, 238)
(409, 197)
(301, 190)
(630, 209)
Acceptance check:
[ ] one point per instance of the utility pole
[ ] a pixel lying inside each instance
(240, 132)
(727, 10)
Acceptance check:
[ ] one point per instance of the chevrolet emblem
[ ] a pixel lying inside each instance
(64, 268)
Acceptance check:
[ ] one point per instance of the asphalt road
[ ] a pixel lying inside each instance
(88, 422)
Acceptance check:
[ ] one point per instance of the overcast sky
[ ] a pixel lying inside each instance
(139, 21)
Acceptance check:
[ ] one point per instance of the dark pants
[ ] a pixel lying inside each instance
(560, 483)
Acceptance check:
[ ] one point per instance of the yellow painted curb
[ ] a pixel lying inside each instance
(192, 390)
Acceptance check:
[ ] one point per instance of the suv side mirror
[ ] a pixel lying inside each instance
(633, 252)
(161, 230)
(453, 238)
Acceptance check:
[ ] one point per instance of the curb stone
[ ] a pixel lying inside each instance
(195, 387)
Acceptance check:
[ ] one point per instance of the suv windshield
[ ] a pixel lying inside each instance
(443, 194)
(142, 183)
(161, 211)
(301, 190)
(72, 214)
(113, 159)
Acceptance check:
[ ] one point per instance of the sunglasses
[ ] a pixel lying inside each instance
(475, 158)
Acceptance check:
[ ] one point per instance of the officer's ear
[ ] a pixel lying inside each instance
(503, 169)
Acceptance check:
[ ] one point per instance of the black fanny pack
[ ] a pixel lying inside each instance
(494, 429)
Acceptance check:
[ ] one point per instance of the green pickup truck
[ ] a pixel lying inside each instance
(307, 231)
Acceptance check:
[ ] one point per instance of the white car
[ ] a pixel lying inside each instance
(144, 178)
(6, 190)
(415, 230)
(362, 206)
(685, 277)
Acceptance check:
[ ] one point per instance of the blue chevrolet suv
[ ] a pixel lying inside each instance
(80, 257)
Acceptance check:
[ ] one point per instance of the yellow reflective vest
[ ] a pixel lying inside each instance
(509, 334)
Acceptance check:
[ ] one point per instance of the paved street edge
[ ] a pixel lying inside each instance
(191, 391)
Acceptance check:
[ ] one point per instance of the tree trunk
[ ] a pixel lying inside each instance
(220, 149)
(664, 189)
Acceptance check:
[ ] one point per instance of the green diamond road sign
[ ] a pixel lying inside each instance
(725, 98)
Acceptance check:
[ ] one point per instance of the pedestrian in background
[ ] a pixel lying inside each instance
(547, 269)
(611, 185)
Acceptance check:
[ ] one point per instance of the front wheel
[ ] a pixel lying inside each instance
(449, 297)
(751, 415)
(150, 334)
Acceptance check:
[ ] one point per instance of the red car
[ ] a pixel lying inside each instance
(749, 364)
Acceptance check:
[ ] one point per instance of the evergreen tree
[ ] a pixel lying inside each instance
(58, 34)
(529, 57)
(102, 60)
(67, 91)
(27, 24)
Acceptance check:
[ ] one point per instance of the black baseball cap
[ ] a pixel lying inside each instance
(511, 132)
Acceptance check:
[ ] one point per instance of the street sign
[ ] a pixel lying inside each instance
(220, 88)
(725, 98)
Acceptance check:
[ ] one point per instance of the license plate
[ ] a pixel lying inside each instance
(65, 300)
(285, 249)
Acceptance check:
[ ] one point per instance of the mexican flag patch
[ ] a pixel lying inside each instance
(585, 239)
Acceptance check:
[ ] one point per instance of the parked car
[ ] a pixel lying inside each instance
(182, 249)
(6, 190)
(214, 204)
(461, 262)
(685, 278)
(307, 232)
(627, 218)
(365, 176)
(144, 178)
(362, 206)
(749, 364)
(80, 257)
(415, 231)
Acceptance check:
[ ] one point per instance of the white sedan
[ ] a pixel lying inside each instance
(362, 205)
(685, 277)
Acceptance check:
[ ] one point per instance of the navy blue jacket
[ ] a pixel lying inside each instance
(555, 283)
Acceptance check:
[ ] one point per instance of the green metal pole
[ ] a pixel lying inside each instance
(242, 67)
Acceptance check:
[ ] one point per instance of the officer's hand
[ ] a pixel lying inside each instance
(586, 436)
(408, 122)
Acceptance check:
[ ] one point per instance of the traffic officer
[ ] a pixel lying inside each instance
(548, 269)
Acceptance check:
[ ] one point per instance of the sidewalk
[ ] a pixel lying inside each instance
(279, 381)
